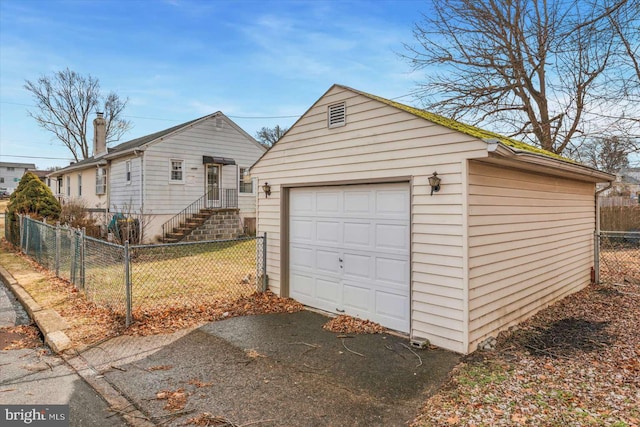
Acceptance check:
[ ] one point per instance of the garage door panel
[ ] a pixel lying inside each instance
(304, 289)
(328, 262)
(357, 234)
(394, 271)
(328, 232)
(328, 291)
(302, 258)
(327, 203)
(392, 204)
(365, 226)
(357, 298)
(393, 308)
(392, 236)
(303, 203)
(358, 265)
(301, 230)
(357, 203)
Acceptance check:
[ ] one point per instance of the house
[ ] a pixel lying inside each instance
(358, 223)
(10, 174)
(624, 191)
(156, 177)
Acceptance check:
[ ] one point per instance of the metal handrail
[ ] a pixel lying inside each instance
(215, 198)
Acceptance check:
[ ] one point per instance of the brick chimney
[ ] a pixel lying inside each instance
(99, 135)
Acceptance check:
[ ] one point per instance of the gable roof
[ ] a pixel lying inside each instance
(497, 145)
(126, 147)
(461, 127)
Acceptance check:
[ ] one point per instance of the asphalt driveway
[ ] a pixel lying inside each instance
(284, 370)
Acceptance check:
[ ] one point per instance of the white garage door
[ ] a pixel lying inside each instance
(349, 251)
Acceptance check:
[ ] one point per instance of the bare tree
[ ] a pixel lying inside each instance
(269, 136)
(609, 154)
(539, 70)
(65, 101)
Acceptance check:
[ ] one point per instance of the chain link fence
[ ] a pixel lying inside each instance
(618, 256)
(147, 278)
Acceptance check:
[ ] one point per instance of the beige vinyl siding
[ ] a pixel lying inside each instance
(530, 244)
(190, 144)
(88, 199)
(382, 144)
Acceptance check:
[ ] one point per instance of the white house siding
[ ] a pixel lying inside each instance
(89, 199)
(383, 144)
(125, 196)
(204, 138)
(530, 244)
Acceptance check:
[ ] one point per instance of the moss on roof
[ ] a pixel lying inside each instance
(464, 128)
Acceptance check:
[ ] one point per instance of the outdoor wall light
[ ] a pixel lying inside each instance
(267, 190)
(434, 182)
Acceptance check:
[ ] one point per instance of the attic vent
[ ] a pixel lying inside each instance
(219, 122)
(337, 115)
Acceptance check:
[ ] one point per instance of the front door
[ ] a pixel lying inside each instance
(213, 186)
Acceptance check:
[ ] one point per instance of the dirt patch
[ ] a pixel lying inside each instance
(19, 337)
(564, 337)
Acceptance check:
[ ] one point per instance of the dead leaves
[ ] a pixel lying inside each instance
(587, 375)
(176, 400)
(167, 320)
(352, 325)
(19, 337)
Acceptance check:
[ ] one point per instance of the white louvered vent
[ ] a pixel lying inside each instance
(219, 122)
(337, 115)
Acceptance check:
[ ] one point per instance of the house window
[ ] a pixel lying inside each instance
(68, 186)
(337, 115)
(128, 170)
(11, 169)
(1, 180)
(79, 184)
(245, 187)
(176, 170)
(101, 181)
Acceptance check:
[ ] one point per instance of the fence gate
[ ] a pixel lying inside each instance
(618, 257)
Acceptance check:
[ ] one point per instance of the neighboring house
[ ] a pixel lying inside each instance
(11, 173)
(157, 176)
(354, 226)
(624, 191)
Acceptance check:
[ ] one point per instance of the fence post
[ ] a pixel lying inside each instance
(127, 282)
(58, 248)
(82, 255)
(596, 260)
(264, 262)
(26, 235)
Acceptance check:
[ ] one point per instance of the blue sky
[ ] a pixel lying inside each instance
(261, 63)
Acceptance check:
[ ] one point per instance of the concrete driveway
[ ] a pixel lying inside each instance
(283, 370)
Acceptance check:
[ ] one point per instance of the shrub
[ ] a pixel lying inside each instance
(34, 198)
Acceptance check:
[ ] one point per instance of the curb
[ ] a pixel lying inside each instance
(52, 326)
(49, 321)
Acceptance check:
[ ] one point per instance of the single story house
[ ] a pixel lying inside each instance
(358, 223)
(155, 177)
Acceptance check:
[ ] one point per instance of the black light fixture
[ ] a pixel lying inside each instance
(434, 182)
(267, 190)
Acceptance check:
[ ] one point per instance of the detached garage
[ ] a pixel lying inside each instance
(357, 223)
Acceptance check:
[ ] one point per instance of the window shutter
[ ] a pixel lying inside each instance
(337, 115)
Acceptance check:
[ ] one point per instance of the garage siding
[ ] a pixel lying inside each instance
(530, 244)
(379, 144)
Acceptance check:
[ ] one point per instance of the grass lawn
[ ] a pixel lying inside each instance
(188, 275)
